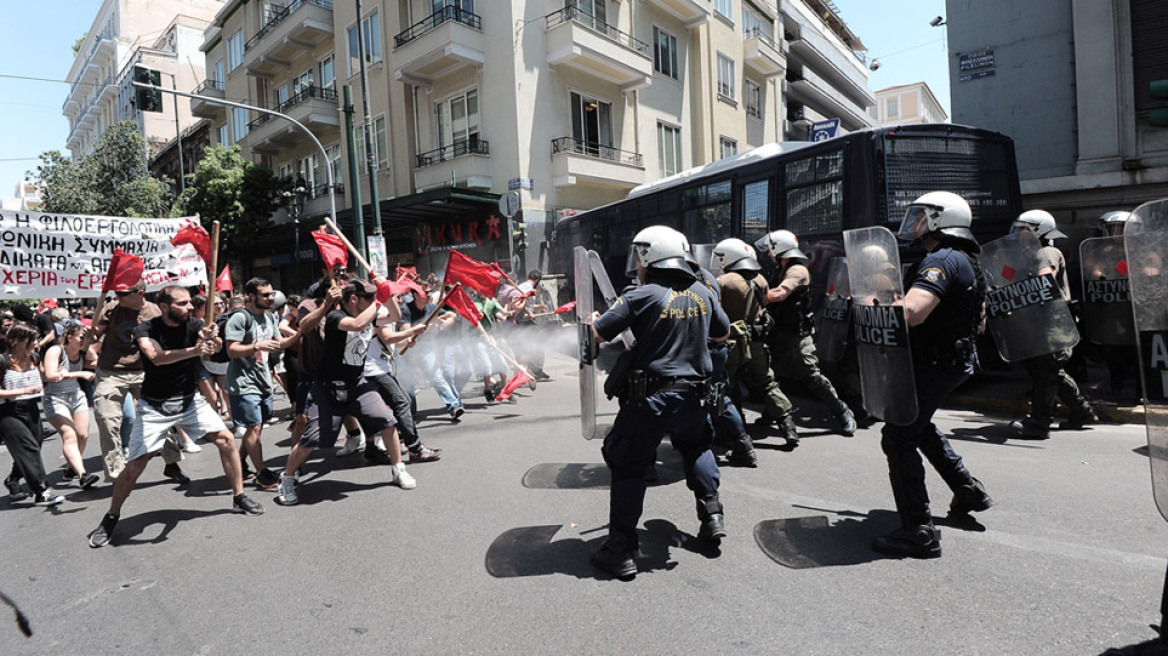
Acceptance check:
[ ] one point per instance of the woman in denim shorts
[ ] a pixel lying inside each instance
(66, 408)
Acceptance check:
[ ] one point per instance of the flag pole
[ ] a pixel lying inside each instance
(433, 313)
(349, 245)
(213, 274)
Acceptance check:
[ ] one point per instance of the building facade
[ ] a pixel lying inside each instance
(906, 104)
(1070, 81)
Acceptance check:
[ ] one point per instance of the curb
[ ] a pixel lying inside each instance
(1112, 414)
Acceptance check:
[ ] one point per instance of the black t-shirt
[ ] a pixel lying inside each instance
(344, 351)
(176, 380)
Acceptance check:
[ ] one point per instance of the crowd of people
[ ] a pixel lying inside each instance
(159, 379)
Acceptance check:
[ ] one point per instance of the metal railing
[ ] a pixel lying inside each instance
(593, 149)
(473, 146)
(279, 14)
(756, 33)
(209, 84)
(443, 15)
(311, 91)
(571, 14)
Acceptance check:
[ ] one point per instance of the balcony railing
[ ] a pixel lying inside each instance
(209, 84)
(572, 14)
(445, 14)
(279, 14)
(311, 91)
(756, 33)
(593, 149)
(473, 146)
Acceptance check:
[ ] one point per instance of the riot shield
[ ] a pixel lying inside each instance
(1026, 312)
(879, 326)
(587, 342)
(1107, 310)
(1146, 246)
(831, 337)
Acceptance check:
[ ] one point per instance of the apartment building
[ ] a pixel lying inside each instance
(570, 103)
(906, 104)
(163, 35)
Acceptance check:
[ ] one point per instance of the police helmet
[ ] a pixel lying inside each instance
(734, 255)
(660, 247)
(780, 244)
(942, 212)
(1112, 223)
(1038, 221)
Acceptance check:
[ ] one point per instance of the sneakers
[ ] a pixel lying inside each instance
(375, 456)
(89, 480)
(456, 412)
(246, 505)
(542, 377)
(425, 454)
(175, 473)
(267, 480)
(190, 447)
(16, 491)
(69, 474)
(353, 443)
(402, 478)
(246, 471)
(286, 496)
(100, 536)
(47, 498)
(489, 394)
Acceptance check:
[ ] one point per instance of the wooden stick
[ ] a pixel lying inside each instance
(213, 274)
(357, 254)
(430, 317)
(508, 358)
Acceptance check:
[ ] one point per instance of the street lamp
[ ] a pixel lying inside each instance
(294, 206)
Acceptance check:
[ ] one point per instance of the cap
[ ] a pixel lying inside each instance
(359, 286)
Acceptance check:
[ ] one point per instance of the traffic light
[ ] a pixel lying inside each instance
(1159, 116)
(519, 237)
(147, 100)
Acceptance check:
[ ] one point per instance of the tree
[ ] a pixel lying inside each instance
(239, 194)
(113, 180)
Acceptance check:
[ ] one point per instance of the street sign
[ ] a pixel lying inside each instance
(520, 183)
(824, 130)
(509, 204)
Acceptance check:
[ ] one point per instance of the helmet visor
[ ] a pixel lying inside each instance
(636, 256)
(1021, 225)
(917, 221)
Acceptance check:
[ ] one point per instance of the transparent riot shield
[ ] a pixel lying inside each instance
(831, 337)
(879, 326)
(587, 341)
(1026, 312)
(1146, 243)
(1107, 310)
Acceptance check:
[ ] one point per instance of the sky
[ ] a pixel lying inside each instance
(896, 32)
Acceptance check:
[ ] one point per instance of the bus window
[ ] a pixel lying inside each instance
(815, 194)
(755, 210)
(707, 225)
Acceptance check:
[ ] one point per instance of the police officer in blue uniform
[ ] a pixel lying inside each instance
(944, 308)
(672, 314)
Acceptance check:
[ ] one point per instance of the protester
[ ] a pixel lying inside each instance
(65, 404)
(20, 416)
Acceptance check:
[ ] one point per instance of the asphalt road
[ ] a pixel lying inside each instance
(489, 555)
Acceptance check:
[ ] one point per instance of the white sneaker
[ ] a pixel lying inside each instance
(353, 444)
(240, 431)
(402, 478)
(286, 493)
(190, 447)
(377, 442)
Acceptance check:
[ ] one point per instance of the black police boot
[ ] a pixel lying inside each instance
(789, 431)
(713, 523)
(615, 556)
(1035, 428)
(969, 495)
(1081, 415)
(918, 538)
(742, 452)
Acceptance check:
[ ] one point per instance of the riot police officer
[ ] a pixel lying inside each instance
(944, 310)
(791, 341)
(1049, 379)
(1119, 358)
(672, 314)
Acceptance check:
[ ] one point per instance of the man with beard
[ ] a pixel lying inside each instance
(252, 336)
(172, 345)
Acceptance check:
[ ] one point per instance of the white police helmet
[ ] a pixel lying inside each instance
(1112, 223)
(734, 255)
(942, 212)
(1038, 221)
(780, 244)
(660, 247)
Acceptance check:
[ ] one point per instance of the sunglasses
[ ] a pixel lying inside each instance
(268, 295)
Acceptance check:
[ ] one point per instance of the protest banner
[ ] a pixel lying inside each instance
(67, 255)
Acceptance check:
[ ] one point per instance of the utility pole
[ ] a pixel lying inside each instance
(351, 143)
(370, 157)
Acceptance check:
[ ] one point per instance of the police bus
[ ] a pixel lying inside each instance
(814, 189)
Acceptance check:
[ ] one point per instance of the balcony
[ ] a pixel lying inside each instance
(444, 42)
(579, 40)
(690, 12)
(835, 64)
(299, 26)
(467, 162)
(819, 95)
(314, 108)
(761, 53)
(575, 161)
(208, 89)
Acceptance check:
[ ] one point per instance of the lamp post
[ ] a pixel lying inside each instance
(294, 205)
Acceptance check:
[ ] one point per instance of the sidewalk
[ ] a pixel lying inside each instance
(1007, 393)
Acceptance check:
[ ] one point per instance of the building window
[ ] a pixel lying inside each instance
(286, 172)
(219, 77)
(752, 98)
(371, 32)
(892, 107)
(458, 119)
(235, 51)
(725, 76)
(591, 124)
(668, 149)
(729, 147)
(725, 9)
(664, 53)
(302, 82)
(280, 96)
(309, 168)
(380, 148)
(223, 136)
(239, 126)
(328, 72)
(754, 23)
(334, 159)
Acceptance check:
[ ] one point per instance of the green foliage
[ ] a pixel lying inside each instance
(239, 194)
(113, 180)
(78, 43)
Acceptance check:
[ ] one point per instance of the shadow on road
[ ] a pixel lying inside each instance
(814, 541)
(135, 525)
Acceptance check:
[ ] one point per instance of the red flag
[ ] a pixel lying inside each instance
(517, 381)
(194, 234)
(462, 304)
(125, 271)
(387, 289)
(223, 282)
(472, 273)
(566, 307)
(412, 272)
(332, 249)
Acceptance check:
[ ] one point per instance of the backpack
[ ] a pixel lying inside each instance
(221, 320)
